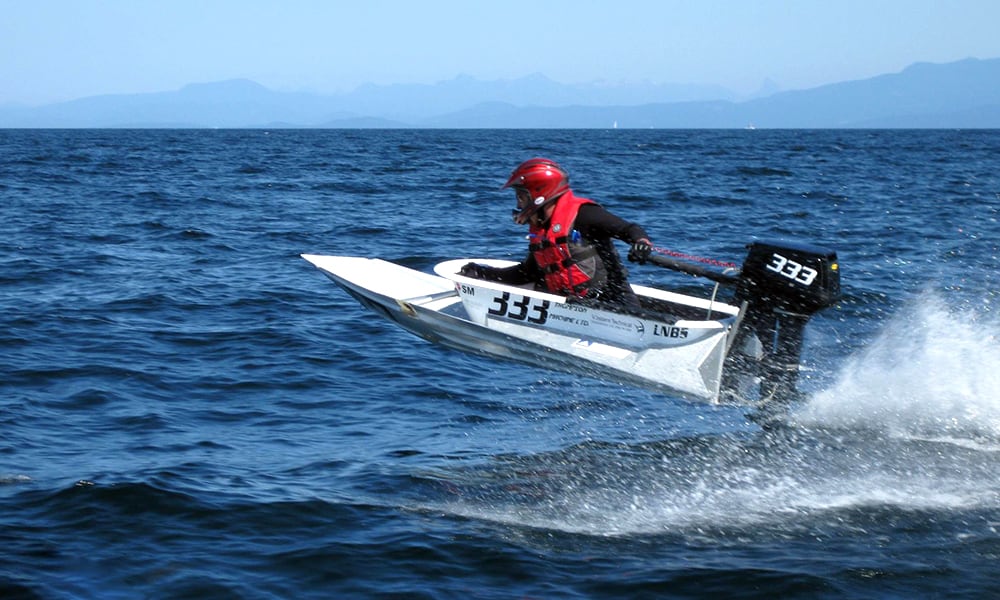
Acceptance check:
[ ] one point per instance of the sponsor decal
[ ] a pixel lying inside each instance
(669, 331)
(613, 321)
(569, 319)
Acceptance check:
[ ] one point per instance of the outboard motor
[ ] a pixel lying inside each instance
(783, 284)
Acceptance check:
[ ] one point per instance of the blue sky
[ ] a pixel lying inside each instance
(54, 50)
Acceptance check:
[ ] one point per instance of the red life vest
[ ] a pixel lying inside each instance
(551, 249)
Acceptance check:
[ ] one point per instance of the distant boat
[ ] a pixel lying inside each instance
(614, 125)
(750, 126)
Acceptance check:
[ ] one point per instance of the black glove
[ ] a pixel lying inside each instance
(471, 270)
(640, 251)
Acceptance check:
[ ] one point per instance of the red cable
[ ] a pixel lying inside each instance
(706, 261)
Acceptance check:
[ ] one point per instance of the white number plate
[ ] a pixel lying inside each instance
(791, 269)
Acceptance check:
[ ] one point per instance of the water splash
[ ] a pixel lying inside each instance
(910, 426)
(933, 373)
(719, 488)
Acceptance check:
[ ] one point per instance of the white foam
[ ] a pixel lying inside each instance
(765, 501)
(933, 373)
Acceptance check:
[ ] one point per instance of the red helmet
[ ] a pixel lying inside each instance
(538, 182)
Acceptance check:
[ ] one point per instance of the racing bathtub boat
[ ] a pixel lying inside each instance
(699, 348)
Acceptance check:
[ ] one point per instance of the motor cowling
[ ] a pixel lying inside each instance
(792, 277)
(782, 284)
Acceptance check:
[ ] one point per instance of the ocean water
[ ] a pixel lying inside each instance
(190, 410)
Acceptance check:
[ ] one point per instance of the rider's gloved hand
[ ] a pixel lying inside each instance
(471, 270)
(640, 251)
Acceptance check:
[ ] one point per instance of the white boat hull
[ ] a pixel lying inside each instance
(682, 356)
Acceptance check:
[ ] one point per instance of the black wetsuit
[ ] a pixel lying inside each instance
(598, 227)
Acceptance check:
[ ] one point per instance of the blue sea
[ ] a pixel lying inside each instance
(190, 410)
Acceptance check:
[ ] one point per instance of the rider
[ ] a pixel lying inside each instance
(570, 250)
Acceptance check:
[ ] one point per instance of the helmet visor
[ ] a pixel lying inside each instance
(525, 204)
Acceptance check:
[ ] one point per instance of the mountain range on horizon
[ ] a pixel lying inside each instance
(961, 94)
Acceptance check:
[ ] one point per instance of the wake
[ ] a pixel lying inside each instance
(910, 425)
